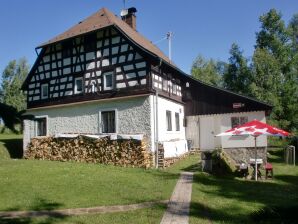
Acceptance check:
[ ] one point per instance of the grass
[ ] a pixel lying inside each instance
(36, 185)
(39, 185)
(11, 146)
(234, 200)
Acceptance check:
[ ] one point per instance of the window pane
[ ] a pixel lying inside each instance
(79, 85)
(235, 122)
(108, 122)
(44, 91)
(109, 80)
(243, 120)
(41, 127)
(177, 121)
(169, 120)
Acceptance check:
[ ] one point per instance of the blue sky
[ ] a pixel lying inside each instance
(200, 27)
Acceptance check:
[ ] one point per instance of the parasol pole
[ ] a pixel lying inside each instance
(256, 174)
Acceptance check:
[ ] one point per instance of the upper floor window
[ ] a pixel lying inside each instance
(78, 85)
(177, 121)
(108, 81)
(90, 42)
(164, 84)
(66, 49)
(236, 121)
(169, 120)
(44, 91)
(174, 89)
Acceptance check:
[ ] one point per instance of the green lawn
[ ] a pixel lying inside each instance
(233, 200)
(27, 185)
(38, 185)
(11, 146)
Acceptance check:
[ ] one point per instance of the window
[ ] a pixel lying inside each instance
(66, 49)
(108, 81)
(90, 42)
(44, 91)
(108, 122)
(236, 121)
(78, 85)
(177, 120)
(174, 89)
(41, 126)
(169, 120)
(164, 84)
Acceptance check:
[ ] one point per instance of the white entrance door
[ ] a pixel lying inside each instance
(207, 139)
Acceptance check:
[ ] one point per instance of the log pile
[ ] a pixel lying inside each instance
(133, 153)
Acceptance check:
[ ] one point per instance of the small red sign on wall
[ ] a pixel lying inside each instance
(238, 105)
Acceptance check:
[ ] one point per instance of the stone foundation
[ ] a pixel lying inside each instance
(244, 154)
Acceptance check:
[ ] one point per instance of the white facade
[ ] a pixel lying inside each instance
(202, 130)
(134, 115)
(174, 141)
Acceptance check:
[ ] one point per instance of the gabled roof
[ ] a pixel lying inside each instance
(104, 18)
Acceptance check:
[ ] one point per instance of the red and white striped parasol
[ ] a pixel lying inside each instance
(255, 128)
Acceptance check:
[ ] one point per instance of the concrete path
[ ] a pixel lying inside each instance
(178, 206)
(77, 211)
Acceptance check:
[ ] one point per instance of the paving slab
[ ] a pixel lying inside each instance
(178, 207)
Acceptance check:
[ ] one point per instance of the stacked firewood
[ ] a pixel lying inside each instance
(133, 153)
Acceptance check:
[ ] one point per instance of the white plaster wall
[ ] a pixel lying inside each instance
(241, 141)
(132, 117)
(174, 142)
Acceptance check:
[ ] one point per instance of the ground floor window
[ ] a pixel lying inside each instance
(177, 121)
(108, 122)
(169, 120)
(41, 126)
(236, 121)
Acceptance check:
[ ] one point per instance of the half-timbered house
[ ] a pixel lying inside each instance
(103, 76)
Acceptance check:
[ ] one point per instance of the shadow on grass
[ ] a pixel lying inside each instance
(274, 196)
(45, 218)
(14, 147)
(276, 156)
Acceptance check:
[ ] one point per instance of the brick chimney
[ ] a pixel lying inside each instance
(128, 16)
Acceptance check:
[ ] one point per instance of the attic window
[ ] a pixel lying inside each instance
(90, 42)
(66, 49)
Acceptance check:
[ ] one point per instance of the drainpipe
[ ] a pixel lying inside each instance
(156, 129)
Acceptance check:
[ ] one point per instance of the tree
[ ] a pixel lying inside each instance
(275, 68)
(208, 71)
(237, 76)
(293, 31)
(13, 77)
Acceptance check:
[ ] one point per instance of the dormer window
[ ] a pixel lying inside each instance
(108, 81)
(45, 91)
(78, 85)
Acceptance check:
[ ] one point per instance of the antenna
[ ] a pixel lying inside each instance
(124, 4)
(169, 38)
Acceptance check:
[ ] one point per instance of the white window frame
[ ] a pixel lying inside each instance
(76, 87)
(100, 120)
(36, 127)
(239, 120)
(105, 82)
(179, 125)
(167, 125)
(42, 86)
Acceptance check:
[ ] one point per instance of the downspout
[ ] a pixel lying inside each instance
(156, 129)
(156, 121)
